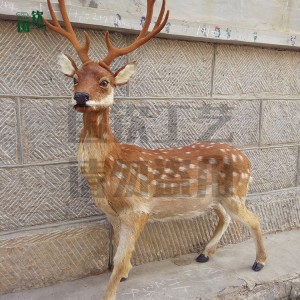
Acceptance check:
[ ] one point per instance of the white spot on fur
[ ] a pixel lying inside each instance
(154, 182)
(177, 175)
(66, 65)
(143, 177)
(119, 175)
(241, 157)
(231, 190)
(182, 168)
(200, 158)
(212, 161)
(164, 176)
(222, 174)
(168, 171)
(245, 175)
(223, 150)
(234, 174)
(226, 160)
(233, 157)
(192, 166)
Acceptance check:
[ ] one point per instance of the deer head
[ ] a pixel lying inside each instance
(94, 82)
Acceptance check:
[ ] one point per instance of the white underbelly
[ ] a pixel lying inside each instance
(175, 208)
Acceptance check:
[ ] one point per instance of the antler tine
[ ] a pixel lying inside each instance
(143, 37)
(150, 5)
(69, 33)
(161, 14)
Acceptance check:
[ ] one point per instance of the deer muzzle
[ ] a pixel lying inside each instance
(81, 98)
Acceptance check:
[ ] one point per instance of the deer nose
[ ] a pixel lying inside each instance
(81, 98)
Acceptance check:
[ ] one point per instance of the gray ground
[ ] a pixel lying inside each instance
(227, 276)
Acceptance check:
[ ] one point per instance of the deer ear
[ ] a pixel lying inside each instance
(67, 65)
(123, 75)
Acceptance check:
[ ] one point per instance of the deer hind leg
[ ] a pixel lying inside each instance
(211, 247)
(237, 209)
(131, 227)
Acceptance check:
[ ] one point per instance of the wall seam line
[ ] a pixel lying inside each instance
(64, 225)
(298, 168)
(75, 161)
(213, 65)
(51, 163)
(260, 122)
(20, 149)
(171, 98)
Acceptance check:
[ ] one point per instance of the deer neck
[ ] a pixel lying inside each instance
(97, 142)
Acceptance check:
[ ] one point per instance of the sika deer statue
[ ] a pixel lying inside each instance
(133, 185)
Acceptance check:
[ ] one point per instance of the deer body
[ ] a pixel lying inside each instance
(133, 185)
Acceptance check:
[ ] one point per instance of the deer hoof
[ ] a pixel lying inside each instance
(202, 258)
(257, 266)
(123, 279)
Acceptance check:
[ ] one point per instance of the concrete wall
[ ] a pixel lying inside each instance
(50, 230)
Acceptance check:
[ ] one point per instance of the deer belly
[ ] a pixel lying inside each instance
(178, 208)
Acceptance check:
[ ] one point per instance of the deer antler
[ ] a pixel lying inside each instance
(69, 33)
(114, 52)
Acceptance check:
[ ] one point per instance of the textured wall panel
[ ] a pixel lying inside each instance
(280, 122)
(278, 210)
(273, 169)
(43, 259)
(167, 123)
(248, 70)
(50, 129)
(39, 195)
(172, 68)
(30, 68)
(8, 131)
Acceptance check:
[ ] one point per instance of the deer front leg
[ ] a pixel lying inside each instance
(131, 225)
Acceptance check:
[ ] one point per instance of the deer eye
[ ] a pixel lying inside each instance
(75, 80)
(103, 83)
